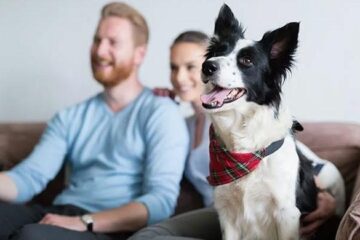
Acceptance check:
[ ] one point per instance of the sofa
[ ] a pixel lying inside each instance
(337, 142)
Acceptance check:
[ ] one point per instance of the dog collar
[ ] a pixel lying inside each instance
(226, 166)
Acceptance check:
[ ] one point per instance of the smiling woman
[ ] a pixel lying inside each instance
(186, 58)
(187, 54)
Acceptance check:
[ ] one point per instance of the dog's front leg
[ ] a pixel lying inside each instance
(229, 231)
(288, 223)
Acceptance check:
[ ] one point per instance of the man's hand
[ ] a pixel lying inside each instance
(326, 206)
(72, 223)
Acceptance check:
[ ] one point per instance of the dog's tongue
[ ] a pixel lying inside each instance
(217, 95)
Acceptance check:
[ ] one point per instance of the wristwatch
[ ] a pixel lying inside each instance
(88, 221)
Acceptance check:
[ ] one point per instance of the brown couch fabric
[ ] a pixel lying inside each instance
(16, 142)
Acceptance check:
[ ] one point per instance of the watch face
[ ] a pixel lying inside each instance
(87, 219)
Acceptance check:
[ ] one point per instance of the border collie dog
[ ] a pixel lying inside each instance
(262, 183)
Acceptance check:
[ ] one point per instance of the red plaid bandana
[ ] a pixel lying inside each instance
(226, 166)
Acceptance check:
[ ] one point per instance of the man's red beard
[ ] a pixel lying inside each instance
(118, 74)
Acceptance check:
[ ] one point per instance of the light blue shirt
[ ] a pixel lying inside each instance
(136, 154)
(197, 165)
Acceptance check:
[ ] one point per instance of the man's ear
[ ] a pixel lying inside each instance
(140, 52)
(281, 45)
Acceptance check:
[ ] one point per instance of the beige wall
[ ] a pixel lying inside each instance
(44, 51)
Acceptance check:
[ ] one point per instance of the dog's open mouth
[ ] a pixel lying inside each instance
(217, 97)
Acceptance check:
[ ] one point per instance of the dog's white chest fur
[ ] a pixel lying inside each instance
(252, 207)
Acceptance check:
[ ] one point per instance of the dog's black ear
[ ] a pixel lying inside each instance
(281, 45)
(296, 126)
(227, 26)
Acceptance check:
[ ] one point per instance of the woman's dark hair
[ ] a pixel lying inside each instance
(192, 37)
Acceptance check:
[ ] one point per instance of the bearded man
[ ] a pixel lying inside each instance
(126, 149)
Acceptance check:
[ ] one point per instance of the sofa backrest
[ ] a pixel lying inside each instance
(16, 142)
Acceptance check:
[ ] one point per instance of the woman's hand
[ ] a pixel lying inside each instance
(164, 92)
(326, 206)
(72, 223)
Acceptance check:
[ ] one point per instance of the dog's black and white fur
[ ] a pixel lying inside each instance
(267, 203)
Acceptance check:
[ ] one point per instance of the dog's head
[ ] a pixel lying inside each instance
(240, 71)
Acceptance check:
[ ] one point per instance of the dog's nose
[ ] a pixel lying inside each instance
(209, 68)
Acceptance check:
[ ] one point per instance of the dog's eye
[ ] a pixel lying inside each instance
(246, 61)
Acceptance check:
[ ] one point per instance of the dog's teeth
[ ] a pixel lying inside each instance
(232, 94)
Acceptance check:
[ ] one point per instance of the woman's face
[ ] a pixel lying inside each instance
(185, 63)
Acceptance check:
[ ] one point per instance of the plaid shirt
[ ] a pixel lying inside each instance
(226, 166)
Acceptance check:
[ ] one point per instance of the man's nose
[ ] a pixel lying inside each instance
(102, 48)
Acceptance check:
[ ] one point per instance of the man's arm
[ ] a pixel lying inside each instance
(167, 147)
(129, 217)
(8, 190)
(30, 176)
